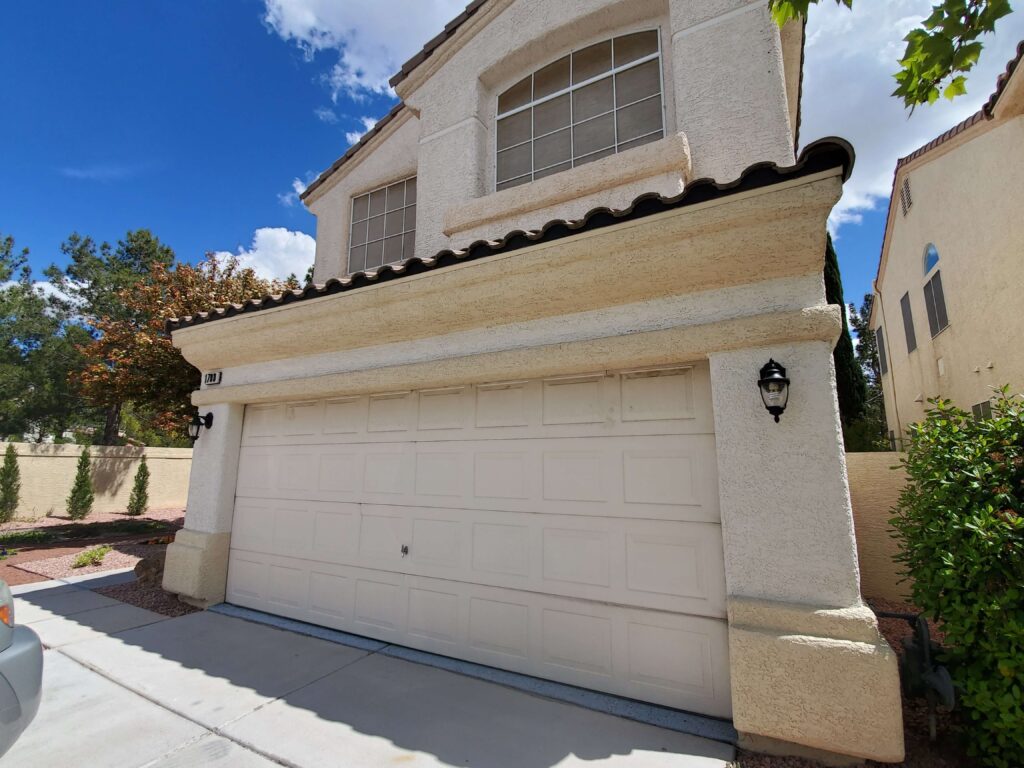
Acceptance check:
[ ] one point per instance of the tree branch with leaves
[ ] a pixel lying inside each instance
(939, 53)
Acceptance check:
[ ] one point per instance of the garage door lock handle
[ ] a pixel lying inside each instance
(405, 550)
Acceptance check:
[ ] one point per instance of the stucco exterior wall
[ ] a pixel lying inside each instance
(48, 472)
(875, 485)
(727, 82)
(966, 201)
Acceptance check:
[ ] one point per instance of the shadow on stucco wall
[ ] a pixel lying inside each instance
(875, 484)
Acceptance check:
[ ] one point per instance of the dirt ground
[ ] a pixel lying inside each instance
(174, 515)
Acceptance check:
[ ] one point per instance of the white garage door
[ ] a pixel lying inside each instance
(566, 528)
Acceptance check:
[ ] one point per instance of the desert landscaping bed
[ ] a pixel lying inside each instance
(31, 554)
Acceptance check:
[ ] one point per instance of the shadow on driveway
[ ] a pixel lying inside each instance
(311, 702)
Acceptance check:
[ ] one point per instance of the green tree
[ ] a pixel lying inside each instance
(38, 352)
(80, 499)
(138, 502)
(93, 284)
(868, 432)
(850, 388)
(939, 53)
(10, 484)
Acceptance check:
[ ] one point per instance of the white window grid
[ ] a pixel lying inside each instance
(612, 73)
(406, 229)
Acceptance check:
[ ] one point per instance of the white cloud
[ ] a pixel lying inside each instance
(289, 199)
(372, 38)
(100, 172)
(326, 115)
(277, 252)
(353, 136)
(850, 59)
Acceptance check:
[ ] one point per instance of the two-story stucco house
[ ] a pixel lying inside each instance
(948, 296)
(517, 419)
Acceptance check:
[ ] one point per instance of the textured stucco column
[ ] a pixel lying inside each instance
(808, 664)
(197, 559)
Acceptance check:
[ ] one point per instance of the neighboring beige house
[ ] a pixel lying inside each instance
(950, 288)
(534, 438)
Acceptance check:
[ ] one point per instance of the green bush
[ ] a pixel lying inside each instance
(139, 500)
(92, 556)
(961, 526)
(10, 484)
(80, 499)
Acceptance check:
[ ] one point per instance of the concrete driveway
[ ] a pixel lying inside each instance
(126, 688)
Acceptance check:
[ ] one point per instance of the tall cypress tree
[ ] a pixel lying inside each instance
(81, 497)
(850, 385)
(10, 484)
(139, 499)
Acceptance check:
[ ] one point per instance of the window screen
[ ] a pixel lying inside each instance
(883, 362)
(596, 101)
(383, 226)
(908, 323)
(935, 303)
(982, 410)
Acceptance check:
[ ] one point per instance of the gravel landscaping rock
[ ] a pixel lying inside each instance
(124, 555)
(151, 598)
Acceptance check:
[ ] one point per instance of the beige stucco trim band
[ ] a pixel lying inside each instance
(672, 345)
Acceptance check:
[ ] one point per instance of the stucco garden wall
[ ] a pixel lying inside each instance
(874, 489)
(47, 472)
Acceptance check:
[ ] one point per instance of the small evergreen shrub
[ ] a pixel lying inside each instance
(81, 497)
(961, 526)
(138, 502)
(10, 484)
(92, 556)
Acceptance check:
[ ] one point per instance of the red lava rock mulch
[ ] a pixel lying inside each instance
(151, 598)
(946, 752)
(13, 575)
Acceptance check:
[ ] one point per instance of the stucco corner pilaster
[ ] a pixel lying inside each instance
(197, 567)
(813, 677)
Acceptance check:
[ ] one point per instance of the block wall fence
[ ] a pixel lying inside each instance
(47, 472)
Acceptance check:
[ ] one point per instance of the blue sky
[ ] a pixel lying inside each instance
(198, 119)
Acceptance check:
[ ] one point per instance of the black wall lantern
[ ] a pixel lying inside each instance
(197, 423)
(774, 388)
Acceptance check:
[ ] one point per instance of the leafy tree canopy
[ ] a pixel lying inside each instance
(136, 362)
(939, 53)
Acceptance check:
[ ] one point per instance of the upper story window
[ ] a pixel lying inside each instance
(883, 362)
(596, 101)
(383, 226)
(931, 257)
(908, 323)
(935, 304)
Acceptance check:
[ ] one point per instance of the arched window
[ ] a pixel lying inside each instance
(592, 103)
(931, 257)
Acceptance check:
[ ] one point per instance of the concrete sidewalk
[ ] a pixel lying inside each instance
(127, 688)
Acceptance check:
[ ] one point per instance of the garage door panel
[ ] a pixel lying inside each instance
(659, 401)
(565, 527)
(672, 659)
(665, 565)
(672, 477)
